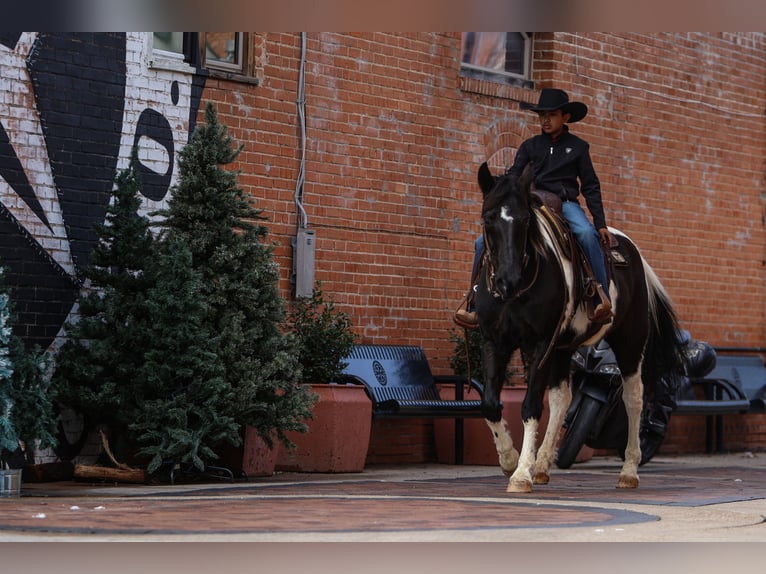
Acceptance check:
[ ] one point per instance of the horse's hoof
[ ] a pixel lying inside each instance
(509, 463)
(542, 478)
(627, 481)
(519, 486)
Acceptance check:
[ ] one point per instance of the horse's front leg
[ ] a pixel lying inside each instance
(521, 479)
(632, 394)
(558, 400)
(507, 456)
(531, 413)
(494, 363)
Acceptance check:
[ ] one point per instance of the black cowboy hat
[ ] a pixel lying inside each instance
(553, 99)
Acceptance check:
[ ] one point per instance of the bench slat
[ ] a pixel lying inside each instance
(720, 397)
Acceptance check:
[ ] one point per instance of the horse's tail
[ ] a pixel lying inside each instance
(663, 351)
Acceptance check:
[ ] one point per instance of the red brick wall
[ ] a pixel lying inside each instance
(676, 132)
(687, 433)
(395, 137)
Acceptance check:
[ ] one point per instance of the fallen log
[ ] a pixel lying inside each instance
(118, 473)
(131, 475)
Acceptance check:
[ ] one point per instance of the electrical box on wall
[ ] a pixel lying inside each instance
(304, 250)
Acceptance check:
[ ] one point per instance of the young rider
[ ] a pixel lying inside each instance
(562, 165)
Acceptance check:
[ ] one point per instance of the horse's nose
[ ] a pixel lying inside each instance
(502, 286)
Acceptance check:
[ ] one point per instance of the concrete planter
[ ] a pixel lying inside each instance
(338, 435)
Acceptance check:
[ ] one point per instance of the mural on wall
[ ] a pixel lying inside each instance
(71, 107)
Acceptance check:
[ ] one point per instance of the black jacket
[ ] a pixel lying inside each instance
(558, 167)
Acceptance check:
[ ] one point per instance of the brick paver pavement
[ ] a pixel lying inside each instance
(720, 497)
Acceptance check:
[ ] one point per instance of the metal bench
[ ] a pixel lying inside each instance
(737, 385)
(747, 372)
(399, 382)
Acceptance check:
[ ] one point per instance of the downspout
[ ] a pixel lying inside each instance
(303, 220)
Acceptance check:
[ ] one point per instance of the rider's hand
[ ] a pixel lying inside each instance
(607, 238)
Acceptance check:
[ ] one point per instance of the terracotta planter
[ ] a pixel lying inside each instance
(257, 458)
(253, 456)
(477, 438)
(338, 435)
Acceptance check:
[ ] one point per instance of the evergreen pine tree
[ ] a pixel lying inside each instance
(227, 239)
(8, 438)
(95, 367)
(34, 416)
(182, 398)
(141, 358)
(27, 413)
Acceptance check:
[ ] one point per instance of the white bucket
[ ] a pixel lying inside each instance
(10, 483)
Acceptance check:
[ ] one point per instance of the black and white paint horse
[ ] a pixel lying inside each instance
(527, 299)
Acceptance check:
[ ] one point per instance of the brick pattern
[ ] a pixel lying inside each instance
(395, 137)
(687, 434)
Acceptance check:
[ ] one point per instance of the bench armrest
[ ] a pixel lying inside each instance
(459, 380)
(345, 379)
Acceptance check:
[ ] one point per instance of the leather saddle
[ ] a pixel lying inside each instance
(549, 206)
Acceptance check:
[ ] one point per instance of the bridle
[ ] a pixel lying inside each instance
(489, 267)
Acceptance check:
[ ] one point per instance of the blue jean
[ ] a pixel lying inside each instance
(588, 238)
(585, 234)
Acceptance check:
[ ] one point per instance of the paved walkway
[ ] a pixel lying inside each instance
(684, 498)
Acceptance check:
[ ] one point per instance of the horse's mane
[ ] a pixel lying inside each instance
(536, 237)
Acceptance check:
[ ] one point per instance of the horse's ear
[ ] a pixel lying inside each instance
(527, 177)
(486, 179)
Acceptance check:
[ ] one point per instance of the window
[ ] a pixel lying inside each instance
(497, 56)
(169, 42)
(220, 53)
(223, 50)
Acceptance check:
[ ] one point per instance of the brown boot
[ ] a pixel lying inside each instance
(466, 319)
(602, 313)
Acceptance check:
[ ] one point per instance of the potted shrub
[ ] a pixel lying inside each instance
(339, 430)
(27, 419)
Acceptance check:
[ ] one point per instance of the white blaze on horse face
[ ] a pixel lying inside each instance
(505, 215)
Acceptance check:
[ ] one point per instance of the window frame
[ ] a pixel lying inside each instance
(504, 77)
(192, 58)
(238, 68)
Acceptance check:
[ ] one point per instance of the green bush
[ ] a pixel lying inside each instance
(324, 337)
